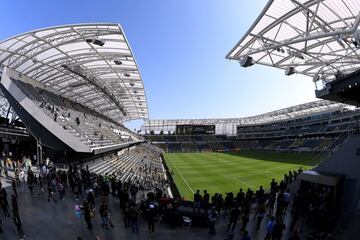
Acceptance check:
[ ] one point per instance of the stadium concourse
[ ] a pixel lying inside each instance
(70, 169)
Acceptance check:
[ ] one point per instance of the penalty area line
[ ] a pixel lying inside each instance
(187, 184)
(239, 181)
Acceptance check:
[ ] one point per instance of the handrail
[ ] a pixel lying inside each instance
(329, 149)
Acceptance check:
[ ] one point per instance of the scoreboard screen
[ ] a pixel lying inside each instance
(195, 129)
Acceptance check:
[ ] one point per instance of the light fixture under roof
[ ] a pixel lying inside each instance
(316, 78)
(132, 84)
(289, 71)
(246, 61)
(95, 41)
(127, 74)
(34, 60)
(118, 62)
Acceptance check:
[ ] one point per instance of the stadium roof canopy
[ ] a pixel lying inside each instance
(317, 38)
(91, 64)
(4, 106)
(290, 113)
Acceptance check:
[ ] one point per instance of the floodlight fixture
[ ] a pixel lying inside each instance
(339, 74)
(295, 54)
(118, 62)
(280, 49)
(99, 42)
(340, 41)
(246, 61)
(316, 78)
(95, 41)
(356, 39)
(289, 71)
(34, 60)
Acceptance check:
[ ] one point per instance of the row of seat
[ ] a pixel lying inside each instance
(305, 144)
(139, 163)
(75, 119)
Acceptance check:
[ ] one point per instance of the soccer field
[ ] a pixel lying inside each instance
(225, 172)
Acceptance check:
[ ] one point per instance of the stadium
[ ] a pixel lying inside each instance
(69, 162)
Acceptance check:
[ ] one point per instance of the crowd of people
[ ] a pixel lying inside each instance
(313, 203)
(147, 198)
(238, 206)
(52, 184)
(15, 215)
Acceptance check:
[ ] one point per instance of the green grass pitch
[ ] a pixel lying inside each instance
(225, 172)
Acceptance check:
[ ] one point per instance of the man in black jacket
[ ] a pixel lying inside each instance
(3, 201)
(197, 200)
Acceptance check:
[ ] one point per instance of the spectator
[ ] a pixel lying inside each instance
(206, 199)
(87, 215)
(104, 215)
(151, 216)
(234, 216)
(278, 229)
(197, 200)
(133, 215)
(4, 201)
(18, 225)
(260, 214)
(212, 216)
(269, 228)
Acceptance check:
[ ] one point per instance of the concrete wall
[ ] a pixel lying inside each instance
(346, 162)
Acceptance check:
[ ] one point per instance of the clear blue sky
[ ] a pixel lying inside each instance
(180, 47)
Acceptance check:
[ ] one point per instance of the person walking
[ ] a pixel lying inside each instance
(3, 201)
(104, 215)
(87, 215)
(278, 229)
(234, 216)
(212, 217)
(245, 218)
(151, 217)
(18, 226)
(41, 184)
(260, 215)
(51, 191)
(269, 228)
(133, 215)
(30, 180)
(14, 206)
(13, 184)
(91, 199)
(16, 216)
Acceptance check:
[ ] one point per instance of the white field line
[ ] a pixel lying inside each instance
(256, 174)
(266, 170)
(187, 184)
(239, 181)
(262, 171)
